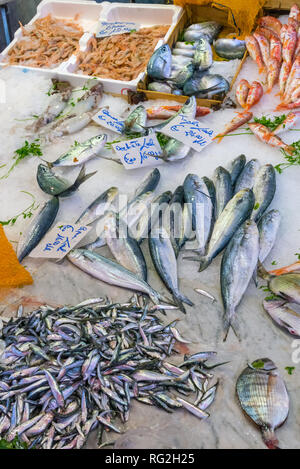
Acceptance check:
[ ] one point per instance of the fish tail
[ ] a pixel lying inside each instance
(204, 263)
(287, 269)
(82, 177)
(262, 272)
(219, 138)
(180, 304)
(228, 319)
(183, 299)
(269, 438)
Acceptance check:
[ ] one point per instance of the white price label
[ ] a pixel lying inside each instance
(192, 133)
(140, 152)
(109, 120)
(107, 28)
(59, 241)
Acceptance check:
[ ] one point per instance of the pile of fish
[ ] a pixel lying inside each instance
(264, 398)
(275, 48)
(232, 214)
(68, 371)
(185, 69)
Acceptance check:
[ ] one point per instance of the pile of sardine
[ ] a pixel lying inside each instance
(185, 69)
(65, 372)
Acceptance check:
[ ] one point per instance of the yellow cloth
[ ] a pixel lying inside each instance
(240, 15)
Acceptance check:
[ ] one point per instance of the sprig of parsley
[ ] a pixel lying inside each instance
(271, 123)
(16, 443)
(291, 160)
(27, 213)
(28, 149)
(290, 369)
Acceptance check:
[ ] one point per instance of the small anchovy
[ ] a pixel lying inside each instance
(205, 293)
(193, 409)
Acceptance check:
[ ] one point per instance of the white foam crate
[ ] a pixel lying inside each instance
(89, 14)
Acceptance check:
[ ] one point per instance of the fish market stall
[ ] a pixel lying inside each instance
(158, 334)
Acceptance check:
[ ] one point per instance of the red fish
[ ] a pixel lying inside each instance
(273, 73)
(283, 32)
(275, 49)
(264, 46)
(255, 93)
(266, 136)
(270, 22)
(254, 52)
(268, 33)
(288, 106)
(293, 81)
(164, 112)
(295, 12)
(240, 119)
(288, 122)
(285, 270)
(242, 92)
(283, 76)
(289, 44)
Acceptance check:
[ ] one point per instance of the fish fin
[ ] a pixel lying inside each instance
(192, 259)
(262, 272)
(219, 138)
(269, 438)
(82, 177)
(184, 299)
(204, 263)
(228, 327)
(180, 305)
(254, 276)
(229, 316)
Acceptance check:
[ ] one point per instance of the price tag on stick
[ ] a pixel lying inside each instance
(107, 28)
(109, 120)
(59, 241)
(139, 152)
(192, 133)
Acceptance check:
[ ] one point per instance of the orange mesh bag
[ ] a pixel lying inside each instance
(238, 16)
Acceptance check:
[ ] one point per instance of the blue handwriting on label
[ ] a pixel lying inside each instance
(137, 151)
(116, 27)
(64, 237)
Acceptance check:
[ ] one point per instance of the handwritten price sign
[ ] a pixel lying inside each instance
(59, 241)
(107, 28)
(140, 152)
(110, 121)
(190, 132)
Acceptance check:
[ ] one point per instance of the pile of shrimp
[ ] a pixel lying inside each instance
(46, 43)
(121, 57)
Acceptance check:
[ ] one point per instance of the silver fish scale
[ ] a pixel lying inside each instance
(79, 367)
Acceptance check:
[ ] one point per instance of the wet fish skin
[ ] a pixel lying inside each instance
(283, 315)
(37, 229)
(175, 218)
(230, 49)
(149, 221)
(203, 56)
(54, 185)
(109, 272)
(160, 87)
(159, 65)
(242, 91)
(264, 190)
(208, 29)
(224, 190)
(236, 167)
(254, 52)
(123, 246)
(247, 176)
(196, 194)
(98, 207)
(240, 119)
(268, 227)
(136, 121)
(165, 262)
(236, 212)
(264, 398)
(82, 152)
(212, 193)
(286, 286)
(238, 264)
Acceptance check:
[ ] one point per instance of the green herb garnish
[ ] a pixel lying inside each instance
(271, 123)
(298, 255)
(290, 369)
(16, 443)
(132, 31)
(256, 206)
(28, 149)
(189, 43)
(27, 213)
(291, 160)
(274, 263)
(162, 139)
(109, 145)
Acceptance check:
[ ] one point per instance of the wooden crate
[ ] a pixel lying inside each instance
(197, 14)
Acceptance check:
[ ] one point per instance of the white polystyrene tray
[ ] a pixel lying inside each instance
(89, 14)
